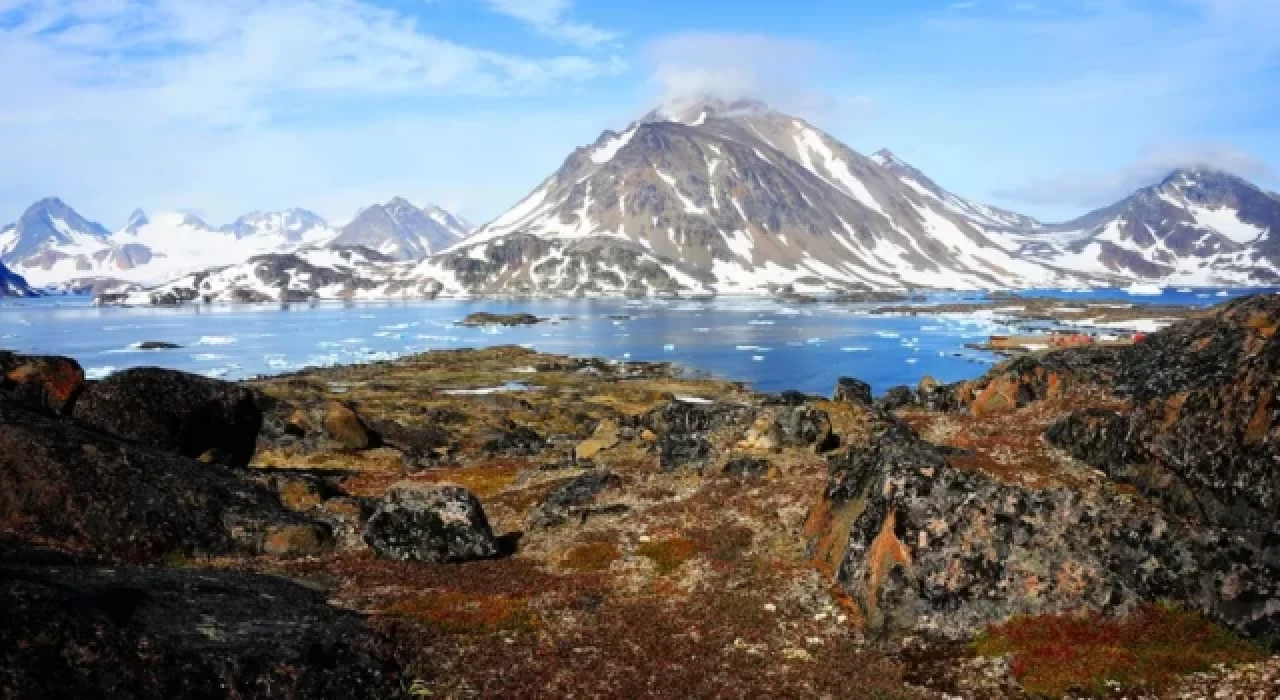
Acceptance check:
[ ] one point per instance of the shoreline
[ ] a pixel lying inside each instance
(632, 530)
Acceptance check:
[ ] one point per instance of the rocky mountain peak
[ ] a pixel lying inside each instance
(695, 110)
(137, 220)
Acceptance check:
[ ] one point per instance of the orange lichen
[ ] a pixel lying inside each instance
(1260, 422)
(885, 553)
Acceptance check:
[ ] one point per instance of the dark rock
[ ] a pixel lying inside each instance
(924, 547)
(1095, 436)
(485, 318)
(567, 501)
(850, 390)
(87, 492)
(514, 439)
(45, 382)
(80, 632)
(343, 424)
(176, 411)
(748, 467)
(157, 345)
(789, 398)
(896, 398)
(430, 523)
(684, 430)
(417, 441)
(805, 425)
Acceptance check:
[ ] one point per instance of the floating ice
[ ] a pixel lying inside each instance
(854, 349)
(98, 372)
(216, 340)
(668, 347)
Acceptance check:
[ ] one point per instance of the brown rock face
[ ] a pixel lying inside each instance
(343, 424)
(51, 383)
(86, 492)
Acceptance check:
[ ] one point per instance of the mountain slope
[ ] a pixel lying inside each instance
(402, 231)
(733, 198)
(308, 274)
(50, 229)
(13, 285)
(1197, 227)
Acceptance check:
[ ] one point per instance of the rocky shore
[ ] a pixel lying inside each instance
(1087, 522)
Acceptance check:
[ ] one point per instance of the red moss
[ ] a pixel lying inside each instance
(1056, 654)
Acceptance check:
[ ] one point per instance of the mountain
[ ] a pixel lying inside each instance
(401, 230)
(1197, 227)
(53, 246)
(976, 213)
(310, 274)
(50, 230)
(739, 198)
(293, 225)
(13, 285)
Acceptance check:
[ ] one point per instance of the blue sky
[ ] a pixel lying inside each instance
(1050, 107)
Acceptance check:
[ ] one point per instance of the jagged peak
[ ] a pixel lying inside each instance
(886, 158)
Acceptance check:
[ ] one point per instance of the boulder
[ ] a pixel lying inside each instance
(854, 391)
(747, 467)
(83, 632)
(924, 547)
(83, 491)
(430, 523)
(604, 437)
(572, 499)
(896, 398)
(46, 382)
(684, 431)
(343, 424)
(806, 426)
(513, 439)
(174, 411)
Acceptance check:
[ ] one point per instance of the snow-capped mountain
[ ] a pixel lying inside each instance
(403, 231)
(50, 231)
(981, 215)
(53, 246)
(13, 285)
(735, 197)
(1198, 227)
(305, 275)
(290, 225)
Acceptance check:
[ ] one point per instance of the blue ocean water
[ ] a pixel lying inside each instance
(771, 345)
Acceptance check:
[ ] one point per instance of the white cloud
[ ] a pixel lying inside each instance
(239, 61)
(550, 17)
(241, 104)
(1094, 189)
(787, 73)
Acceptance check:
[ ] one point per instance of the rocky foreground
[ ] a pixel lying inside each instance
(501, 523)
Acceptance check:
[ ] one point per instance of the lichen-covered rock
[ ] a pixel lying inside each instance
(82, 632)
(924, 547)
(45, 382)
(430, 523)
(685, 431)
(747, 467)
(343, 424)
(854, 391)
(83, 491)
(573, 499)
(513, 439)
(174, 411)
(806, 425)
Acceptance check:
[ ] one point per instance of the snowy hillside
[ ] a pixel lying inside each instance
(737, 198)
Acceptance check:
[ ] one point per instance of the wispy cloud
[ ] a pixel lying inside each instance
(788, 73)
(1090, 188)
(242, 61)
(551, 18)
(239, 104)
